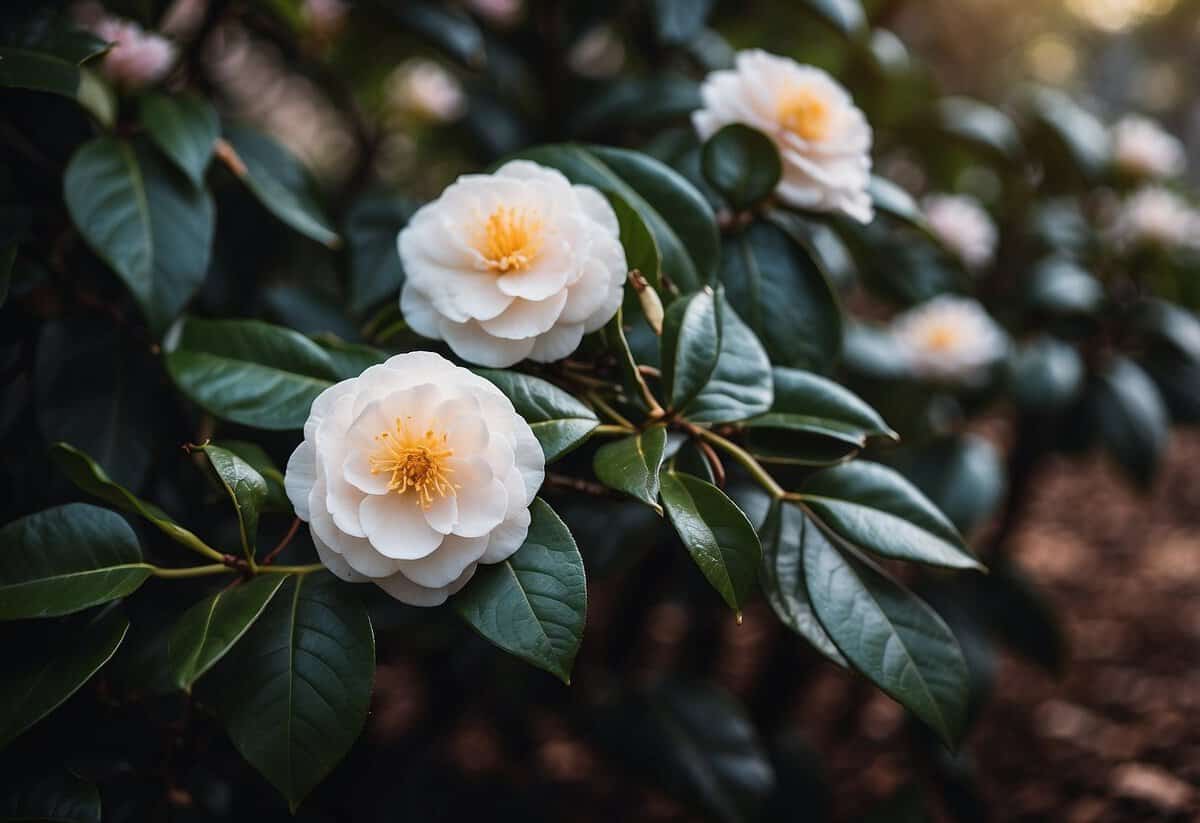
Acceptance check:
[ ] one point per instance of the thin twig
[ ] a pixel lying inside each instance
(287, 538)
(578, 484)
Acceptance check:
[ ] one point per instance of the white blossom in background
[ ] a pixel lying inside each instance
(963, 227)
(949, 338)
(823, 138)
(1157, 217)
(1143, 148)
(412, 474)
(427, 90)
(499, 12)
(136, 58)
(599, 53)
(512, 265)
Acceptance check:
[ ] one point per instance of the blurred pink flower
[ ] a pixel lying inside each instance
(137, 58)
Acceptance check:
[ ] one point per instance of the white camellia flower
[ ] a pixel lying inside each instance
(136, 58)
(963, 227)
(949, 338)
(413, 473)
(512, 265)
(426, 89)
(1158, 217)
(823, 138)
(1142, 148)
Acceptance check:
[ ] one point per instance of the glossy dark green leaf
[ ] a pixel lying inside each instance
(813, 418)
(185, 127)
(246, 488)
(1021, 615)
(91, 478)
(1046, 375)
(1172, 327)
(742, 164)
(779, 291)
(1076, 132)
(350, 359)
(262, 463)
(66, 559)
(716, 533)
(1059, 286)
(446, 28)
(49, 663)
(845, 16)
(38, 71)
(691, 345)
(293, 692)
(641, 249)
(534, 604)
(962, 475)
(282, 185)
(53, 33)
(152, 228)
(632, 464)
(694, 741)
(677, 215)
(559, 421)
(679, 21)
(1131, 419)
(618, 344)
(372, 226)
(891, 636)
(978, 124)
(207, 631)
(102, 391)
(784, 534)
(57, 796)
(875, 508)
(740, 386)
(895, 202)
(249, 372)
(644, 102)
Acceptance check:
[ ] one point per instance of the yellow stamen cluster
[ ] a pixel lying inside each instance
(941, 338)
(805, 113)
(416, 461)
(510, 239)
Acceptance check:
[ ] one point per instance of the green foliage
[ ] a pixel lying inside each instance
(66, 559)
(52, 661)
(742, 164)
(152, 228)
(716, 534)
(249, 372)
(533, 604)
(207, 631)
(559, 421)
(293, 692)
(632, 464)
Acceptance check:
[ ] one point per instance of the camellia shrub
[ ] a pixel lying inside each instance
(648, 326)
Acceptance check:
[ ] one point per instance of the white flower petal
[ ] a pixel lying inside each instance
(505, 539)
(336, 563)
(442, 513)
(447, 564)
(470, 342)
(557, 343)
(396, 526)
(299, 477)
(406, 591)
(527, 318)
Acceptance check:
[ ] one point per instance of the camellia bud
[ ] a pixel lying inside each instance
(652, 306)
